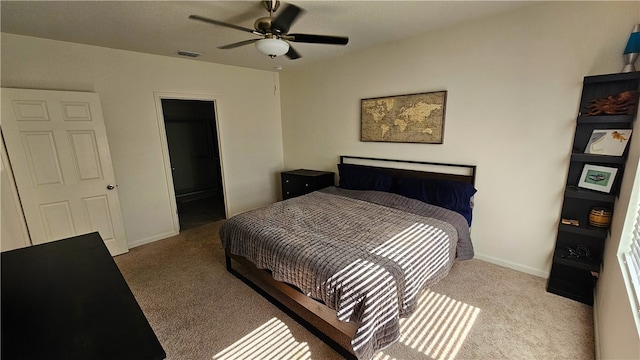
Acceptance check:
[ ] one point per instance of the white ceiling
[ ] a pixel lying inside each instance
(163, 27)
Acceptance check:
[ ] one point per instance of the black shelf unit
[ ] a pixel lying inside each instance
(572, 277)
(577, 193)
(584, 230)
(594, 158)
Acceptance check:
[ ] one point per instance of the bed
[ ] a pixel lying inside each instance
(349, 261)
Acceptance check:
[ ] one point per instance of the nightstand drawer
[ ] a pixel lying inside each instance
(302, 181)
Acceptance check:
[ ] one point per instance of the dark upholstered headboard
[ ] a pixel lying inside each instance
(416, 169)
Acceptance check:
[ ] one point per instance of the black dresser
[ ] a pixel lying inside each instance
(302, 181)
(67, 299)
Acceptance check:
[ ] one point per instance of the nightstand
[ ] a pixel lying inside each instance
(302, 181)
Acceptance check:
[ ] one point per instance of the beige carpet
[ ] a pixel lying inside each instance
(479, 311)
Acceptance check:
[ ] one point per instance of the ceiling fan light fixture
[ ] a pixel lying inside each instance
(272, 47)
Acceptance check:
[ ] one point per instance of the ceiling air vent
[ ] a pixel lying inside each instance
(192, 54)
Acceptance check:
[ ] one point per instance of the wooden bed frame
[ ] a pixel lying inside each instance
(313, 315)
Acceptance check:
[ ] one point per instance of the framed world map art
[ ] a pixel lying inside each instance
(414, 118)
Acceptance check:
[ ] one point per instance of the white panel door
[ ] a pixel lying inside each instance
(58, 149)
(13, 229)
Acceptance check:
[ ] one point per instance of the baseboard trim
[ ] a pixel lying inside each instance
(511, 265)
(148, 240)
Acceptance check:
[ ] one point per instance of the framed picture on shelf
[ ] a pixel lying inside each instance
(599, 178)
(608, 142)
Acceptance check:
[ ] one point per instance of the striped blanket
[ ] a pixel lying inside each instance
(365, 254)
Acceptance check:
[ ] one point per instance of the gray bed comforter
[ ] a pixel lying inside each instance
(365, 254)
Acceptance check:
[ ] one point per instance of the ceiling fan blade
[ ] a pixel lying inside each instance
(318, 39)
(282, 23)
(292, 54)
(220, 23)
(238, 44)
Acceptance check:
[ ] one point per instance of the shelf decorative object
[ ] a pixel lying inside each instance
(632, 50)
(571, 222)
(619, 104)
(608, 142)
(600, 217)
(599, 178)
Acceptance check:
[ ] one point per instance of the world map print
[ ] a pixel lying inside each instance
(416, 118)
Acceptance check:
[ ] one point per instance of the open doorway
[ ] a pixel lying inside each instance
(192, 140)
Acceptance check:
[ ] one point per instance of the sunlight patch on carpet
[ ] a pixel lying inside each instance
(438, 328)
(272, 339)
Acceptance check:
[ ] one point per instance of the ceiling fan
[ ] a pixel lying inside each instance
(274, 32)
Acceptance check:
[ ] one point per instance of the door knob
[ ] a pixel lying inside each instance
(110, 187)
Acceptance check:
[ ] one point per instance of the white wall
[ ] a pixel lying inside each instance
(513, 82)
(615, 325)
(616, 333)
(248, 119)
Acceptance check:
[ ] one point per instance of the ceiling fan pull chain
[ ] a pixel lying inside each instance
(275, 87)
